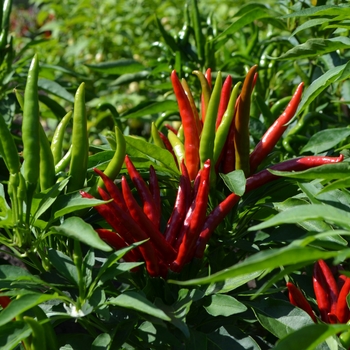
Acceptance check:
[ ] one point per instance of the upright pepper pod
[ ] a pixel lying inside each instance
(206, 90)
(206, 146)
(80, 143)
(190, 127)
(31, 130)
(241, 136)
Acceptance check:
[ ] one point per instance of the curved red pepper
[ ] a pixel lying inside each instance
(342, 309)
(195, 222)
(297, 298)
(275, 132)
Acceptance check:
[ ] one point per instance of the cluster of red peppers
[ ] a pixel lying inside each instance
(331, 296)
(216, 142)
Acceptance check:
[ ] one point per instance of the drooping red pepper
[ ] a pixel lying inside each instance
(186, 249)
(190, 128)
(155, 192)
(167, 145)
(149, 206)
(275, 132)
(182, 203)
(342, 309)
(112, 189)
(296, 298)
(253, 182)
(321, 293)
(165, 251)
(330, 286)
(124, 224)
(113, 239)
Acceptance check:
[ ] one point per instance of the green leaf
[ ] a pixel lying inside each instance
(301, 213)
(64, 265)
(325, 172)
(315, 47)
(72, 203)
(44, 203)
(232, 283)
(235, 181)
(100, 160)
(11, 272)
(309, 24)
(77, 228)
(13, 333)
(135, 301)
(254, 12)
(325, 140)
(270, 259)
(122, 66)
(151, 108)
(22, 304)
(152, 152)
(335, 74)
(280, 317)
(130, 77)
(308, 337)
(326, 10)
(103, 341)
(341, 183)
(224, 305)
(56, 89)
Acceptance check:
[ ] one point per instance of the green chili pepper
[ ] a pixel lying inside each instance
(9, 149)
(38, 339)
(241, 135)
(64, 162)
(19, 98)
(117, 161)
(6, 11)
(206, 145)
(47, 166)
(156, 138)
(224, 127)
(206, 90)
(80, 143)
(31, 132)
(177, 145)
(57, 138)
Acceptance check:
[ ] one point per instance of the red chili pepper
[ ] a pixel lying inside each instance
(186, 249)
(155, 192)
(296, 164)
(213, 220)
(4, 301)
(113, 239)
(181, 206)
(275, 132)
(253, 182)
(225, 97)
(193, 105)
(330, 286)
(167, 145)
(321, 293)
(341, 281)
(229, 148)
(149, 206)
(166, 252)
(342, 310)
(112, 189)
(170, 127)
(124, 224)
(297, 298)
(190, 128)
